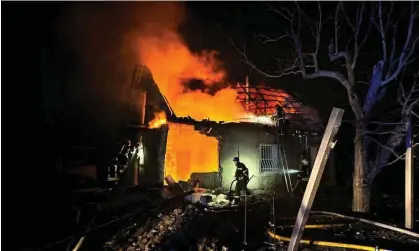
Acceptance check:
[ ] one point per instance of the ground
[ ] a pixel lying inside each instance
(189, 226)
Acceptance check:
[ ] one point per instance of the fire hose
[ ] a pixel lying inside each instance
(377, 224)
(328, 243)
(344, 245)
(231, 185)
(317, 226)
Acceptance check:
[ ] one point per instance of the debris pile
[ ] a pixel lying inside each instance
(218, 200)
(155, 233)
(210, 244)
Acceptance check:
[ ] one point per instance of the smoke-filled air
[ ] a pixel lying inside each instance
(163, 50)
(109, 40)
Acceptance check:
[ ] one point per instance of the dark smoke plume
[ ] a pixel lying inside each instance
(101, 39)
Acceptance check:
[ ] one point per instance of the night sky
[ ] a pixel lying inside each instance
(35, 55)
(206, 26)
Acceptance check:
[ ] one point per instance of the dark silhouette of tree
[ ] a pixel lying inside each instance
(351, 32)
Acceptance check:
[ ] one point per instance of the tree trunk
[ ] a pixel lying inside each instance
(361, 198)
(361, 186)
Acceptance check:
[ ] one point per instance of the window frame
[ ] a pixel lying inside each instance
(268, 159)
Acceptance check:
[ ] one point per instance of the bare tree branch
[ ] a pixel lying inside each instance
(292, 69)
(407, 50)
(265, 39)
(382, 30)
(401, 157)
(393, 50)
(393, 61)
(385, 146)
(384, 133)
(410, 100)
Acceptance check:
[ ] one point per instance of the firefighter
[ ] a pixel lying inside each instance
(280, 119)
(125, 153)
(279, 112)
(304, 167)
(242, 177)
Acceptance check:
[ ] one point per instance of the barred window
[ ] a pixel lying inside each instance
(268, 158)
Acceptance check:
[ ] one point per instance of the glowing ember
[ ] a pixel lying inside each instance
(188, 151)
(262, 100)
(158, 121)
(261, 119)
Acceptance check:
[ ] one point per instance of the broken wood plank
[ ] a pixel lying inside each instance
(409, 179)
(315, 177)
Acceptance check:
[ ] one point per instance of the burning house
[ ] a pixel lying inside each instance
(276, 136)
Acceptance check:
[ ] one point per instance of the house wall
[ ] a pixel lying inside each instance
(154, 141)
(246, 141)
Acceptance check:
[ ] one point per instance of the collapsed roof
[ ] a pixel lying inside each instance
(256, 100)
(262, 101)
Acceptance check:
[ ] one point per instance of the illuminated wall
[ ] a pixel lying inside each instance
(188, 151)
(247, 140)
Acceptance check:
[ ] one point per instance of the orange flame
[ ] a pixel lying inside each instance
(172, 63)
(158, 121)
(189, 151)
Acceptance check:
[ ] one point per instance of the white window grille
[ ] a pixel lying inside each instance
(268, 158)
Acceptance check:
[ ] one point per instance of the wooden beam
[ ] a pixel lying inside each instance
(315, 177)
(409, 180)
(143, 107)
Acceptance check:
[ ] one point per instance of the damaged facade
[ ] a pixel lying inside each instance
(187, 149)
(273, 160)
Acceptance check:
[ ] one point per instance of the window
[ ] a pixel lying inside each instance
(268, 158)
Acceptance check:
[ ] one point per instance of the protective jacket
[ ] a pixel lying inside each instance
(242, 173)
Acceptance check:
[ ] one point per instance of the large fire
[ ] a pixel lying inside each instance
(173, 65)
(188, 151)
(158, 120)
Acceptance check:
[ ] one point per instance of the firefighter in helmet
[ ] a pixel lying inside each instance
(241, 176)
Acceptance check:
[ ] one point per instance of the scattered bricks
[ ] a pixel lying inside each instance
(158, 239)
(169, 221)
(138, 232)
(177, 211)
(157, 231)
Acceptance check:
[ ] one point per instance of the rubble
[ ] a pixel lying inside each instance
(210, 244)
(154, 233)
(219, 200)
(187, 228)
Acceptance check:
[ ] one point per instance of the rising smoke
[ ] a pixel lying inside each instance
(108, 39)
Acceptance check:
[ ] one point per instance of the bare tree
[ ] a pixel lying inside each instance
(349, 37)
